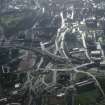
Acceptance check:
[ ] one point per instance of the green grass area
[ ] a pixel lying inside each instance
(88, 98)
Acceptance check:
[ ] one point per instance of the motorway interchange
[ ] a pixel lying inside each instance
(52, 53)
